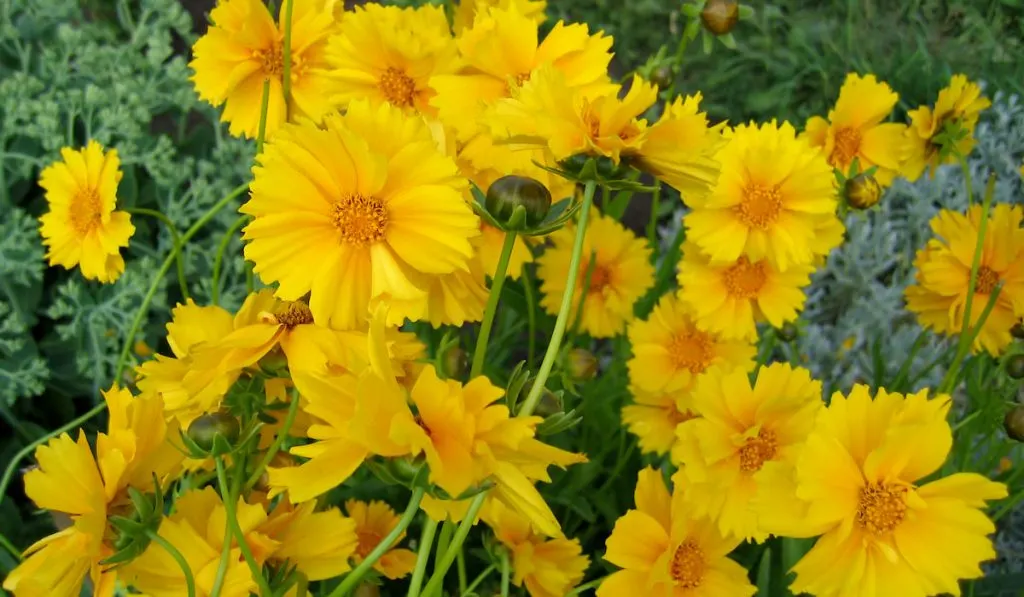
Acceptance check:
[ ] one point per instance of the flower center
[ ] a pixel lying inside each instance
(757, 450)
(847, 146)
(271, 61)
(987, 280)
(760, 207)
(85, 211)
(881, 507)
(294, 313)
(367, 541)
(688, 565)
(691, 350)
(600, 277)
(397, 87)
(744, 279)
(361, 220)
(513, 83)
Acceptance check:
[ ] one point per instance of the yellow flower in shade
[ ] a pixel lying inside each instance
(670, 351)
(388, 54)
(243, 48)
(856, 129)
(71, 481)
(365, 209)
(669, 553)
(467, 10)
(81, 227)
(939, 295)
(319, 544)
(654, 417)
(730, 298)
(742, 430)
(620, 275)
(960, 103)
(374, 520)
(857, 483)
(548, 567)
(774, 194)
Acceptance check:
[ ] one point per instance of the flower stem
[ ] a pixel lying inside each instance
(531, 318)
(351, 581)
(14, 551)
(563, 311)
(175, 239)
(190, 582)
(261, 135)
(505, 573)
(286, 80)
(497, 282)
(422, 555)
(229, 508)
(221, 249)
(586, 587)
(434, 585)
(479, 579)
(652, 224)
(275, 447)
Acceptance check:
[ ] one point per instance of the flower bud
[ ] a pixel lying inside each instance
(1014, 423)
(509, 192)
(662, 77)
(1015, 366)
(205, 429)
(549, 404)
(862, 191)
(720, 16)
(581, 365)
(787, 333)
(455, 363)
(1017, 331)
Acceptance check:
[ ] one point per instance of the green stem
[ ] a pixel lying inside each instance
(275, 447)
(904, 369)
(1011, 502)
(286, 82)
(190, 582)
(422, 555)
(434, 585)
(652, 224)
(586, 587)
(264, 106)
(229, 509)
(225, 550)
(444, 540)
(351, 581)
(776, 570)
(531, 318)
(563, 311)
(497, 282)
(460, 568)
(221, 249)
(505, 573)
(175, 239)
(479, 579)
(6, 543)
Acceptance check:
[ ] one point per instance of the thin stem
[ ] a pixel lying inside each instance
(175, 239)
(221, 249)
(586, 587)
(434, 586)
(229, 509)
(904, 369)
(479, 579)
(6, 543)
(444, 540)
(497, 282)
(190, 582)
(275, 447)
(505, 573)
(652, 224)
(1009, 505)
(286, 82)
(264, 106)
(225, 552)
(563, 311)
(422, 555)
(351, 581)
(531, 319)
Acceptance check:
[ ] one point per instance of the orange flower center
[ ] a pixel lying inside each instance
(516, 82)
(294, 313)
(361, 220)
(271, 61)
(85, 211)
(368, 540)
(691, 350)
(744, 279)
(881, 507)
(760, 207)
(591, 120)
(688, 565)
(987, 280)
(600, 277)
(757, 450)
(847, 146)
(397, 87)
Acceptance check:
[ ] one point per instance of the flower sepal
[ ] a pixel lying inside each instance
(213, 434)
(583, 168)
(557, 216)
(133, 529)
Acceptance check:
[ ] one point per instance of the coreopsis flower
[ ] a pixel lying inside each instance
(467, 10)
(547, 567)
(858, 484)
(654, 417)
(318, 544)
(939, 295)
(244, 48)
(741, 429)
(959, 106)
(88, 488)
(670, 351)
(81, 227)
(856, 128)
(374, 520)
(773, 195)
(388, 54)
(668, 552)
(620, 274)
(363, 209)
(731, 298)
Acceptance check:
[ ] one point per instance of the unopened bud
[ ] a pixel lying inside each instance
(581, 364)
(455, 363)
(720, 16)
(663, 77)
(509, 192)
(862, 191)
(787, 333)
(205, 429)
(1013, 423)
(1015, 366)
(1017, 331)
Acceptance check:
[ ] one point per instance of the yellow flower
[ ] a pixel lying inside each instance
(388, 54)
(856, 129)
(774, 194)
(363, 210)
(548, 567)
(961, 102)
(243, 49)
(374, 520)
(670, 351)
(742, 431)
(668, 552)
(81, 227)
(319, 544)
(655, 416)
(467, 10)
(944, 269)
(730, 298)
(857, 484)
(620, 275)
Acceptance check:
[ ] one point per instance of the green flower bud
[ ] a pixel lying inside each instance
(787, 333)
(1015, 367)
(862, 191)
(581, 365)
(549, 404)
(1017, 331)
(205, 429)
(1014, 423)
(509, 192)
(720, 16)
(663, 77)
(455, 363)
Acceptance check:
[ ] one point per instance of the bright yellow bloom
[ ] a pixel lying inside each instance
(961, 102)
(388, 54)
(655, 416)
(670, 351)
(743, 430)
(939, 296)
(81, 227)
(467, 10)
(730, 298)
(668, 553)
(374, 520)
(621, 274)
(856, 129)
(243, 49)
(774, 194)
(319, 544)
(363, 210)
(548, 567)
(856, 483)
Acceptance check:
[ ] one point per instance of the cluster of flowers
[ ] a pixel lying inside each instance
(380, 124)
